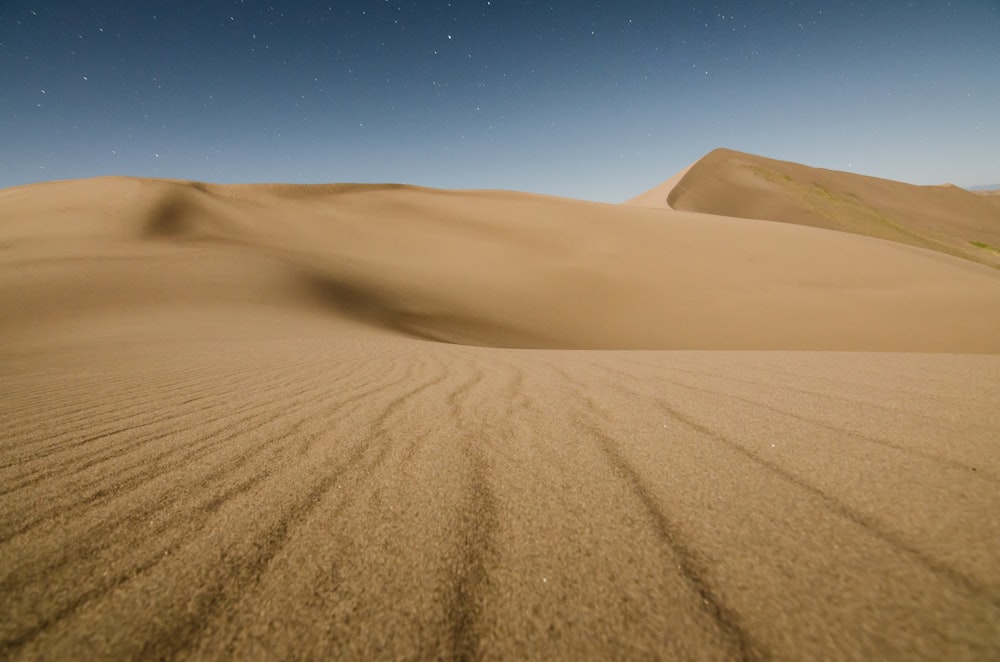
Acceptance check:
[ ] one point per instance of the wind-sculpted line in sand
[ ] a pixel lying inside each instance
(477, 527)
(688, 563)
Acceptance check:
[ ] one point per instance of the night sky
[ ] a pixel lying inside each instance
(592, 100)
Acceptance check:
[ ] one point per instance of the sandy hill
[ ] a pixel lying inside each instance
(381, 422)
(942, 218)
(483, 268)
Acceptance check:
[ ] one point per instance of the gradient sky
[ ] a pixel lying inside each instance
(592, 100)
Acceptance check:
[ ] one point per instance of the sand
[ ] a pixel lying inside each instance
(379, 422)
(945, 218)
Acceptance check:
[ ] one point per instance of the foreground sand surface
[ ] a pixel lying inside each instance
(231, 429)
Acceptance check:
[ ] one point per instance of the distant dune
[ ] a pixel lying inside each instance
(386, 422)
(942, 218)
(483, 268)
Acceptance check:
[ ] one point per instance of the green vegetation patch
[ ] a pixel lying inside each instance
(825, 192)
(979, 244)
(768, 174)
(842, 198)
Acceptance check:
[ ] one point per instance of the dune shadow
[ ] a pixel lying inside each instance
(377, 307)
(362, 303)
(185, 211)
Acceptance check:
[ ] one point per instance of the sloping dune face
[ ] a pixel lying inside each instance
(481, 268)
(942, 218)
(228, 431)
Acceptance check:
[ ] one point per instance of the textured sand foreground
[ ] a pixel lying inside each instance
(368, 497)
(229, 429)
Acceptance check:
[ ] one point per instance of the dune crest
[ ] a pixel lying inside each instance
(945, 218)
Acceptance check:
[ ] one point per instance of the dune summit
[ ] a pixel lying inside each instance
(946, 218)
(380, 422)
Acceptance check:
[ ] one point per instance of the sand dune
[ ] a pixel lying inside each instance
(942, 218)
(657, 196)
(380, 422)
(483, 268)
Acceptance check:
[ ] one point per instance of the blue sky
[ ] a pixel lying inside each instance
(593, 100)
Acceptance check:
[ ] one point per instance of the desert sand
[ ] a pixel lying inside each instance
(944, 218)
(382, 422)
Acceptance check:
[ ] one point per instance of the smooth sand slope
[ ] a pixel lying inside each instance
(229, 429)
(482, 268)
(942, 218)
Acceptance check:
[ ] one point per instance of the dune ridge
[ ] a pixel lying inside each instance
(379, 422)
(946, 218)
